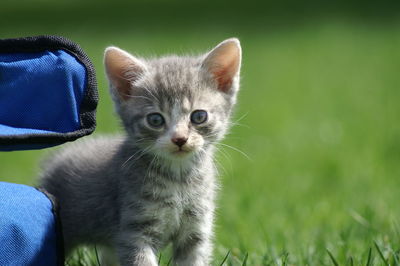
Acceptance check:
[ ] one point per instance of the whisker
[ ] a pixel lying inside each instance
(235, 149)
(225, 154)
(233, 124)
(140, 152)
(211, 135)
(146, 89)
(137, 96)
(141, 140)
(219, 166)
(241, 118)
(150, 167)
(151, 94)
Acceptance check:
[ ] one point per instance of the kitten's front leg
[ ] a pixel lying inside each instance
(193, 254)
(193, 244)
(135, 251)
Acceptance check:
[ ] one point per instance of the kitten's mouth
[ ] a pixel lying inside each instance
(181, 152)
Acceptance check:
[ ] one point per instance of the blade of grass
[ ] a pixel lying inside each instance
(159, 258)
(332, 258)
(381, 254)
(245, 259)
(80, 257)
(169, 262)
(285, 257)
(97, 255)
(369, 257)
(351, 262)
(226, 257)
(395, 260)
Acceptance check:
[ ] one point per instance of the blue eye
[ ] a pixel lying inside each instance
(155, 120)
(198, 117)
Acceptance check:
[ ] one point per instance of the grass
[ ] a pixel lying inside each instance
(319, 118)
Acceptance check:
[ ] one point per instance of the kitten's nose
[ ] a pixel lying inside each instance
(180, 141)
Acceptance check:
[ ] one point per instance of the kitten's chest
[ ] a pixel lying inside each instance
(168, 206)
(170, 216)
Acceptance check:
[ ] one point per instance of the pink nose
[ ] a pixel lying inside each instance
(180, 141)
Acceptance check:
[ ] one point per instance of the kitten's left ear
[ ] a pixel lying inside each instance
(223, 63)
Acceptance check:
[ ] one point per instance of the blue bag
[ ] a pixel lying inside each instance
(30, 232)
(48, 95)
(48, 92)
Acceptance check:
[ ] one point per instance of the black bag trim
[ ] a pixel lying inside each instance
(58, 225)
(90, 99)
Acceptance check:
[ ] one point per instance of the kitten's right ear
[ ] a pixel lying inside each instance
(122, 70)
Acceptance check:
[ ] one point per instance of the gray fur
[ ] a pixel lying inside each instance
(130, 193)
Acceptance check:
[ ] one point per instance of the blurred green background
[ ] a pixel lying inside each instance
(318, 108)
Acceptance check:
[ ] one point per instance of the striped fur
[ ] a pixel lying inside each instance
(136, 193)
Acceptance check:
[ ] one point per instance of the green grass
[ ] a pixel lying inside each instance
(319, 118)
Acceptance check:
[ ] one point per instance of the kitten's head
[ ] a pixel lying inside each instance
(175, 106)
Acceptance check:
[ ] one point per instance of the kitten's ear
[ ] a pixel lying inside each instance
(122, 70)
(223, 63)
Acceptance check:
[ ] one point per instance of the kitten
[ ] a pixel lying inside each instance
(156, 185)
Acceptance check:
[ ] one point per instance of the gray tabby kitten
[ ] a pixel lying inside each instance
(157, 184)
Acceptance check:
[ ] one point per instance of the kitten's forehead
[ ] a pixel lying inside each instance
(175, 74)
(177, 84)
(174, 80)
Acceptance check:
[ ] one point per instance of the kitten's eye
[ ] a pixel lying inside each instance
(199, 117)
(155, 120)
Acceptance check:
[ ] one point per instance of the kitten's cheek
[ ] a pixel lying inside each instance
(197, 144)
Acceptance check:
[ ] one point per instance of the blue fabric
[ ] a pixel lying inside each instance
(27, 227)
(40, 93)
